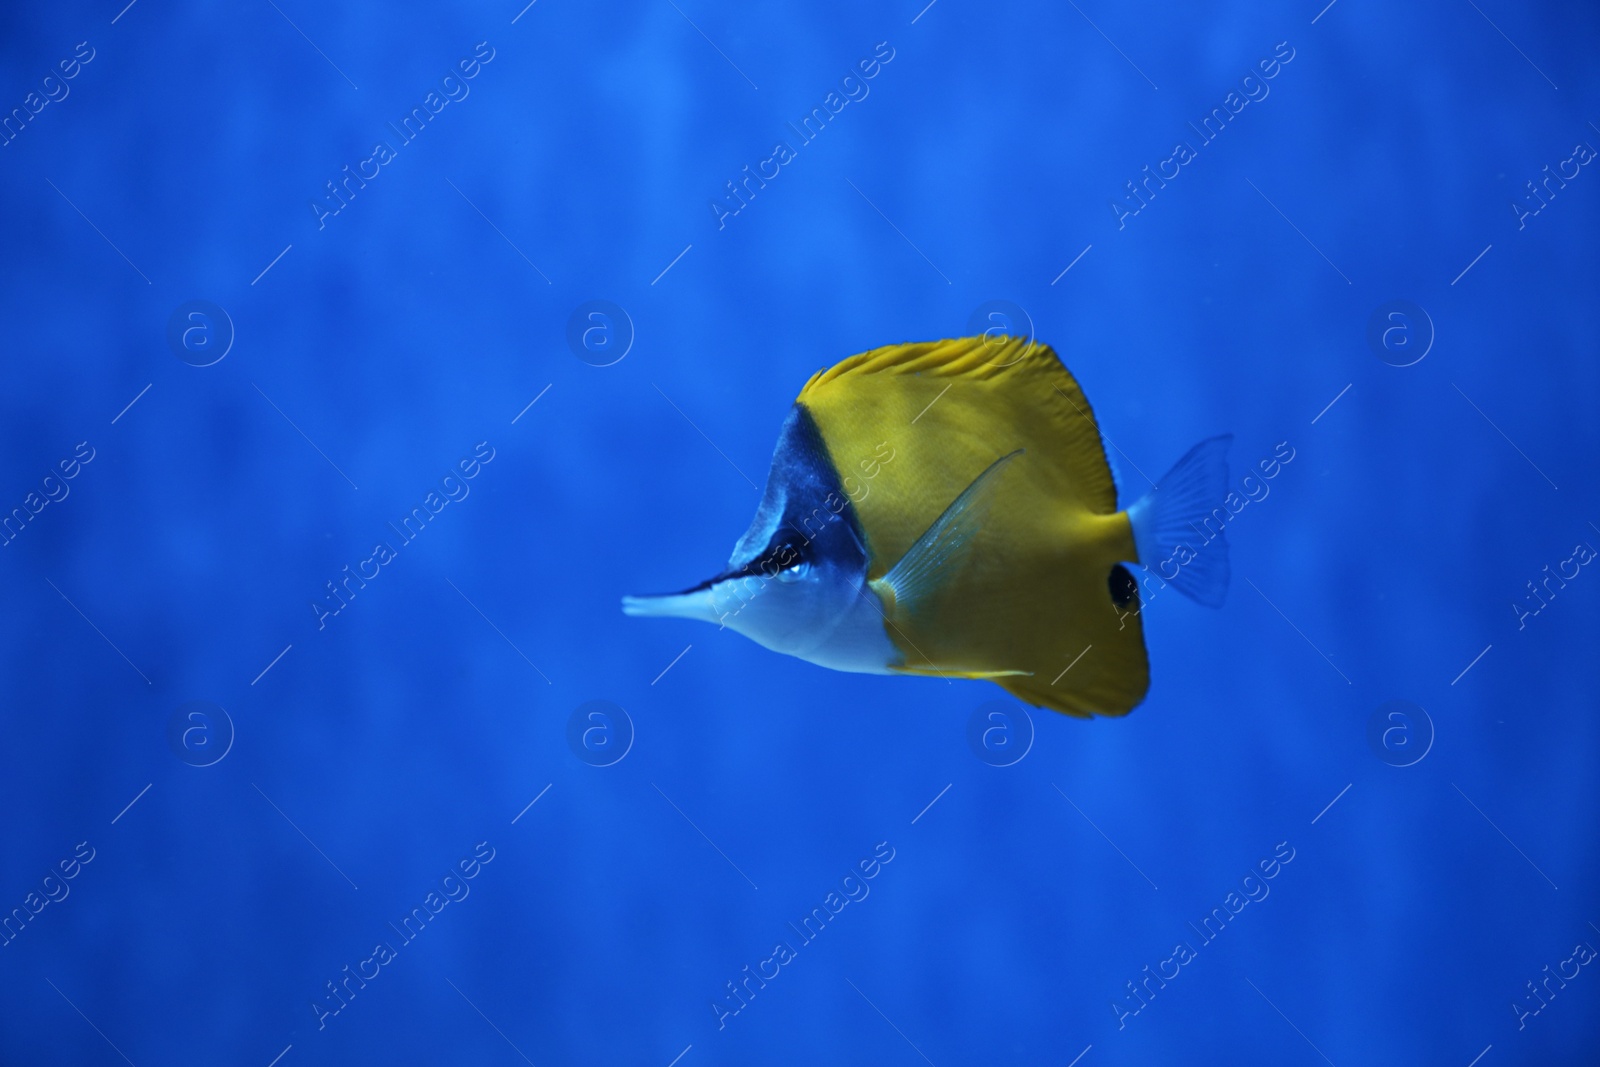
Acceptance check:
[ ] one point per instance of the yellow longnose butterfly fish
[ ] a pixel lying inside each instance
(946, 508)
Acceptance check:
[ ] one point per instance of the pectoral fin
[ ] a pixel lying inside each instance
(907, 590)
(940, 548)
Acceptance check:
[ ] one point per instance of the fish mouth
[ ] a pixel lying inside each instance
(698, 601)
(694, 603)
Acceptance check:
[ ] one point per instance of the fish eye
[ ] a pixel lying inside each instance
(795, 572)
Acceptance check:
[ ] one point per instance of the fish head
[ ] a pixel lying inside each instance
(798, 570)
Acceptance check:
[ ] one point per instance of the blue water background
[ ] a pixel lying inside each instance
(381, 749)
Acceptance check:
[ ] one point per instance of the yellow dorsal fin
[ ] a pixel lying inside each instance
(1024, 379)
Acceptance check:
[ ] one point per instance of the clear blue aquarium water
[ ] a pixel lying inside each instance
(359, 359)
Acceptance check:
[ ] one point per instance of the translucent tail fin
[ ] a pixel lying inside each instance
(1168, 522)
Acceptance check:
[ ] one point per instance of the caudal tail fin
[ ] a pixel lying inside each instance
(1168, 523)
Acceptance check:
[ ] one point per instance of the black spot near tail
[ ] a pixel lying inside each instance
(1124, 588)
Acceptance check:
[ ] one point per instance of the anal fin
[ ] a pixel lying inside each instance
(958, 672)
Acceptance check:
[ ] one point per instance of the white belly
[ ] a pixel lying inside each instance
(860, 643)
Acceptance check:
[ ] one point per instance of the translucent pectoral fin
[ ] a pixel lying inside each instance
(924, 564)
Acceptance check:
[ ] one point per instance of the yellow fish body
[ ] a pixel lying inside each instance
(946, 508)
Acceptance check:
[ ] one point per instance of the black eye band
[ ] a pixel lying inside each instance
(782, 556)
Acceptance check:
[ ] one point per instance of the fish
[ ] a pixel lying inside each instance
(946, 509)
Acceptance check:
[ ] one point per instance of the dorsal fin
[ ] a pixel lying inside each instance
(1023, 376)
